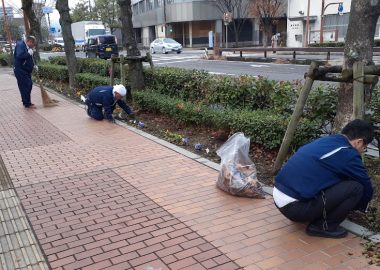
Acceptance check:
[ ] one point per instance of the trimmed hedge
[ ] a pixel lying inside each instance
(53, 72)
(89, 65)
(264, 127)
(89, 80)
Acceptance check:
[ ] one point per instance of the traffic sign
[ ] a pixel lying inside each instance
(53, 30)
(340, 9)
(47, 10)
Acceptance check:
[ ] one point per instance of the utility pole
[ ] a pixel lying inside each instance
(307, 25)
(164, 1)
(6, 28)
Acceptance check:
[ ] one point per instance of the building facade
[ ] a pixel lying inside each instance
(187, 21)
(335, 23)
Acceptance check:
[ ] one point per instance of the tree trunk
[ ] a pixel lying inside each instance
(32, 25)
(65, 22)
(358, 47)
(135, 74)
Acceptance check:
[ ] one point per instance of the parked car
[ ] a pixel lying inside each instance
(79, 44)
(102, 46)
(165, 45)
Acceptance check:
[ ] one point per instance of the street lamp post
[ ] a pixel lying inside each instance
(227, 18)
(323, 15)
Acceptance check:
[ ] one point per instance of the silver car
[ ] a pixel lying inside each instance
(165, 45)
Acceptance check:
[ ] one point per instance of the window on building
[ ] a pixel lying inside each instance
(158, 3)
(135, 9)
(149, 5)
(337, 25)
(141, 7)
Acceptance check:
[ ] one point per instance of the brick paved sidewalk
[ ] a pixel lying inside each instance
(99, 196)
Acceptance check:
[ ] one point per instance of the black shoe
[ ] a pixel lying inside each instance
(314, 230)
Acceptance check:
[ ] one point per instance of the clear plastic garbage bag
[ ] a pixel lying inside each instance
(238, 174)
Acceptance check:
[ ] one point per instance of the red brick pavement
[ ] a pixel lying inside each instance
(102, 197)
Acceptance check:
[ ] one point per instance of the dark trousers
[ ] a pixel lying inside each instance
(95, 111)
(337, 201)
(24, 82)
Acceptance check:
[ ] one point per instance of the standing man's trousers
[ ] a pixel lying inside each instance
(24, 82)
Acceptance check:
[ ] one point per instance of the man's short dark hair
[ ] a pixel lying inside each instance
(359, 129)
(31, 38)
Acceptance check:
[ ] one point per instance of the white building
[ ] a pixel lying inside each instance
(334, 25)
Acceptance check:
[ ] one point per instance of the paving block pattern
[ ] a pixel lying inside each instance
(99, 196)
(19, 248)
(251, 232)
(23, 127)
(98, 220)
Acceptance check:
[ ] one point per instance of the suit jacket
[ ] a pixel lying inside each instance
(23, 61)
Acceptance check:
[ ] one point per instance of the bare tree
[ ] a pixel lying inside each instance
(109, 12)
(65, 21)
(268, 12)
(239, 10)
(358, 47)
(136, 76)
(32, 25)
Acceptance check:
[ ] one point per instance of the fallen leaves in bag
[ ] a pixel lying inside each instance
(240, 180)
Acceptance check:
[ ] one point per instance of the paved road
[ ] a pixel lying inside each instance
(193, 60)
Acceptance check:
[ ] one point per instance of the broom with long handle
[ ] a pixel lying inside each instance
(46, 100)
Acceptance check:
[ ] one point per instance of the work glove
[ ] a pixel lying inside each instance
(30, 51)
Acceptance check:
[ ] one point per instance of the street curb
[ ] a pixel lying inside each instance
(348, 225)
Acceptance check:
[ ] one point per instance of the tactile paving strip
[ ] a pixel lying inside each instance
(19, 248)
(5, 180)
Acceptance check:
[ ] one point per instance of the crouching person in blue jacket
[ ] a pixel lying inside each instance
(325, 180)
(102, 100)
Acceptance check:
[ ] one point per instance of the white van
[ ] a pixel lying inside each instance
(59, 41)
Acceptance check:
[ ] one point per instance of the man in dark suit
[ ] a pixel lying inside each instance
(23, 68)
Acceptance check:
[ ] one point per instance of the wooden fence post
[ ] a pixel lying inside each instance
(122, 71)
(301, 101)
(358, 98)
(112, 71)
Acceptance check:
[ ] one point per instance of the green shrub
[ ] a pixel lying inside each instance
(375, 105)
(96, 66)
(58, 60)
(262, 126)
(321, 104)
(88, 81)
(53, 72)
(5, 59)
(175, 82)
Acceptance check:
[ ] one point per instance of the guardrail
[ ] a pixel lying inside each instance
(327, 50)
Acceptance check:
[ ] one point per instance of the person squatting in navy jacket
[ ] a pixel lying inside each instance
(102, 100)
(23, 68)
(325, 180)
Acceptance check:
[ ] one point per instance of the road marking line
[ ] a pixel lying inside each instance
(176, 62)
(259, 66)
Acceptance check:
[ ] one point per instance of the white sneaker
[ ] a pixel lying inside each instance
(82, 98)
